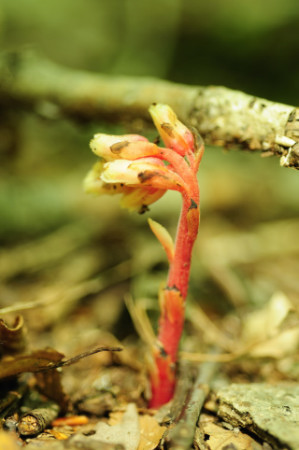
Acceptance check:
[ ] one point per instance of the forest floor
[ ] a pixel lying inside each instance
(79, 277)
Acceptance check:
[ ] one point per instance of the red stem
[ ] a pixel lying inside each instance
(173, 301)
(186, 234)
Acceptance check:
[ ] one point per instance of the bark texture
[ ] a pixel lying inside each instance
(224, 117)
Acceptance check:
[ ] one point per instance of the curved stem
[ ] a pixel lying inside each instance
(173, 301)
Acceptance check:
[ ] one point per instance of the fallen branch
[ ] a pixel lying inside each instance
(187, 404)
(224, 117)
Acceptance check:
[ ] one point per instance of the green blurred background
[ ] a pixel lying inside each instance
(250, 45)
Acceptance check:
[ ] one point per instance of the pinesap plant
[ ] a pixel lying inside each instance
(142, 172)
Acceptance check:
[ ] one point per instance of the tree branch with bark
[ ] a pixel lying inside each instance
(224, 117)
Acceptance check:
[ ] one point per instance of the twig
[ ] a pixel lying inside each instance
(181, 436)
(42, 360)
(9, 401)
(224, 117)
(77, 358)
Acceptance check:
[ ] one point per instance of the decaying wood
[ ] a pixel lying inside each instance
(35, 421)
(268, 410)
(191, 393)
(223, 116)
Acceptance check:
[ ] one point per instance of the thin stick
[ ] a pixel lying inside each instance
(181, 436)
(42, 360)
(77, 358)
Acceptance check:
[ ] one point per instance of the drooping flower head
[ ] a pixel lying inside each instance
(140, 170)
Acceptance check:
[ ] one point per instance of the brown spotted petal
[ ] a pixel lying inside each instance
(133, 198)
(127, 146)
(144, 171)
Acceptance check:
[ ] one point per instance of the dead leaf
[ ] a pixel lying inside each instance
(12, 337)
(217, 438)
(49, 384)
(125, 432)
(33, 362)
(150, 433)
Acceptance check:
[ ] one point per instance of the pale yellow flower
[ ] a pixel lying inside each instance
(133, 197)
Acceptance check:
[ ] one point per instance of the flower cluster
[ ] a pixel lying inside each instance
(134, 167)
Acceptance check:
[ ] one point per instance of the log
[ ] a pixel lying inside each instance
(224, 117)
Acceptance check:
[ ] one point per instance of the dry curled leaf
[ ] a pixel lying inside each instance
(150, 431)
(12, 337)
(33, 362)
